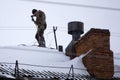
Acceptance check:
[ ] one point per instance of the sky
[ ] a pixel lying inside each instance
(17, 28)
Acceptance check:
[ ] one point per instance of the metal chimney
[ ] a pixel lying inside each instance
(60, 48)
(75, 29)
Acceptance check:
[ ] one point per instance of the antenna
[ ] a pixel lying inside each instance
(54, 30)
(17, 76)
(71, 69)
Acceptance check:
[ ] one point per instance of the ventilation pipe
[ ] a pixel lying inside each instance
(75, 29)
(60, 48)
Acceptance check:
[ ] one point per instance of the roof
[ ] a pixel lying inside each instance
(38, 59)
(7, 71)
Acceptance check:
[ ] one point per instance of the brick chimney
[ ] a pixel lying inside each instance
(99, 62)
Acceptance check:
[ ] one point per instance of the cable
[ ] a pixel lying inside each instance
(41, 66)
(114, 34)
(48, 33)
(75, 5)
(60, 30)
(20, 64)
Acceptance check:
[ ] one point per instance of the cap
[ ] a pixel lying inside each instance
(34, 10)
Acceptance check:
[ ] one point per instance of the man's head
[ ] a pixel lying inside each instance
(34, 11)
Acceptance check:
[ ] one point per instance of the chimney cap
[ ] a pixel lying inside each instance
(75, 26)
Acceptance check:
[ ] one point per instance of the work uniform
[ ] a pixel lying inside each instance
(41, 26)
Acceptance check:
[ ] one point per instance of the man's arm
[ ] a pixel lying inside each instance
(33, 19)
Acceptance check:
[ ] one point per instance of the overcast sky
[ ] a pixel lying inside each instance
(17, 28)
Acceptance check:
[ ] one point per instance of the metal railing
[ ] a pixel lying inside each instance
(15, 71)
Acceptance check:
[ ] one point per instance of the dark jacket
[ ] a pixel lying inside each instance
(41, 20)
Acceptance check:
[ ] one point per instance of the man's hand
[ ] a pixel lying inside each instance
(32, 18)
(32, 15)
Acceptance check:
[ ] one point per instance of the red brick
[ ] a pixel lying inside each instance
(99, 62)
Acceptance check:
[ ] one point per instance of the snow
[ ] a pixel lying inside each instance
(8, 76)
(116, 70)
(117, 59)
(31, 55)
(117, 65)
(46, 58)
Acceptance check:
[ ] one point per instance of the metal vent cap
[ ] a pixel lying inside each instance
(75, 27)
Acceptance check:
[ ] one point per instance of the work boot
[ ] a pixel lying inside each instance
(41, 42)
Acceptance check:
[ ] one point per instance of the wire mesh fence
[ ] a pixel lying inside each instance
(26, 70)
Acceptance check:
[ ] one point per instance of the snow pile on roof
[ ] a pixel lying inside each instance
(116, 65)
(47, 58)
(117, 59)
(117, 71)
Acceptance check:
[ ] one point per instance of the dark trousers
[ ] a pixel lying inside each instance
(40, 38)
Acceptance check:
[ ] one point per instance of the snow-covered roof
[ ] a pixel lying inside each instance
(41, 59)
(44, 59)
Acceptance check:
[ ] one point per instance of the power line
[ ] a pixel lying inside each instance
(113, 34)
(57, 67)
(12, 28)
(42, 66)
(75, 5)
(62, 30)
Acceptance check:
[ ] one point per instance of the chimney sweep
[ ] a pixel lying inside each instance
(40, 22)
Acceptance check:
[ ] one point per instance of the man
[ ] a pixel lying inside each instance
(41, 26)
